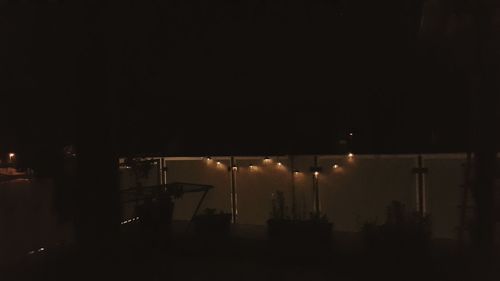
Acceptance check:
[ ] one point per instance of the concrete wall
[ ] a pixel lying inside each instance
(360, 189)
(355, 192)
(443, 181)
(256, 184)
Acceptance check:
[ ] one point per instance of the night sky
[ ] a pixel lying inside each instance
(230, 77)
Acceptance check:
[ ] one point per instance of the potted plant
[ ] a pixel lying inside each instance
(212, 224)
(312, 234)
(154, 209)
(403, 234)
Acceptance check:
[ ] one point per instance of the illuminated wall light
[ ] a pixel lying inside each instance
(235, 168)
(209, 158)
(31, 252)
(335, 166)
(267, 160)
(350, 155)
(316, 173)
(351, 134)
(296, 172)
(251, 166)
(280, 164)
(219, 163)
(41, 249)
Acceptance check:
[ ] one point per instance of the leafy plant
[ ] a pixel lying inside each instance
(280, 211)
(313, 216)
(139, 167)
(278, 205)
(402, 232)
(209, 211)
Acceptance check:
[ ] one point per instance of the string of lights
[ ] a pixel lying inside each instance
(267, 160)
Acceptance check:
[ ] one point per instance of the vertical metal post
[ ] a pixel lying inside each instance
(317, 209)
(294, 201)
(164, 170)
(465, 196)
(234, 203)
(420, 185)
(160, 173)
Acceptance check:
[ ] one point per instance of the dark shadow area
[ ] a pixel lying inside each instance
(85, 84)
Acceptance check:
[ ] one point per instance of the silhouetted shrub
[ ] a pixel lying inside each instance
(403, 234)
(212, 224)
(297, 235)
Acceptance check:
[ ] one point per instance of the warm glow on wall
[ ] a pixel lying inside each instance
(280, 164)
(350, 155)
(267, 160)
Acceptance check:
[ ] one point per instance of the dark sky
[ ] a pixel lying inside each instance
(229, 77)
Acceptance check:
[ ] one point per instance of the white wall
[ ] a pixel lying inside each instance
(444, 194)
(361, 188)
(255, 187)
(356, 192)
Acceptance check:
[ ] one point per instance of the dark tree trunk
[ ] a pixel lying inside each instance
(97, 218)
(486, 118)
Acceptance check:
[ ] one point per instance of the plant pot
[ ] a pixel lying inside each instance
(156, 214)
(301, 235)
(213, 225)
